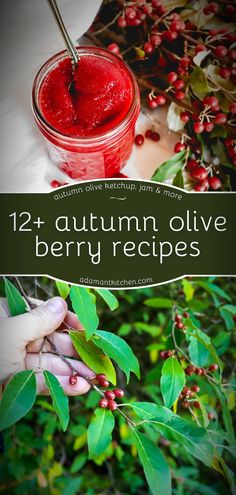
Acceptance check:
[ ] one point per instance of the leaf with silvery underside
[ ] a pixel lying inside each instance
(213, 75)
(109, 298)
(170, 168)
(63, 289)
(59, 399)
(174, 121)
(198, 83)
(85, 308)
(219, 150)
(16, 303)
(18, 398)
(117, 349)
(99, 432)
(93, 356)
(172, 381)
(155, 467)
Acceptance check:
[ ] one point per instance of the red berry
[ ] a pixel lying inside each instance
(179, 95)
(220, 118)
(152, 103)
(155, 137)
(160, 99)
(185, 404)
(148, 134)
(190, 370)
(200, 48)
(177, 25)
(112, 405)
(148, 47)
(180, 326)
(197, 405)
(230, 10)
(201, 186)
(229, 141)
(221, 51)
(162, 62)
(211, 101)
(109, 394)
(139, 140)
(130, 13)
(178, 318)
(170, 35)
(114, 48)
(208, 126)
(210, 415)
(213, 367)
(215, 183)
(121, 22)
(155, 40)
(184, 117)
(55, 183)
(195, 388)
(225, 73)
(185, 62)
(199, 173)
(178, 84)
(103, 403)
(73, 379)
(147, 8)
(119, 393)
(104, 383)
(198, 371)
(198, 127)
(169, 353)
(232, 54)
(163, 355)
(172, 77)
(232, 108)
(192, 164)
(100, 377)
(179, 147)
(185, 314)
(211, 8)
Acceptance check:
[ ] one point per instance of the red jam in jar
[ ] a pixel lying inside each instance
(88, 125)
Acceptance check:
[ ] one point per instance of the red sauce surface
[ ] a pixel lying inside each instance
(102, 97)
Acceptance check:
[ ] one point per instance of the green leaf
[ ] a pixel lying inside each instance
(159, 302)
(85, 308)
(170, 167)
(178, 180)
(213, 289)
(59, 399)
(227, 317)
(172, 380)
(219, 150)
(63, 289)
(155, 467)
(198, 83)
(194, 439)
(99, 431)
(18, 398)
(16, 303)
(93, 356)
(188, 289)
(117, 349)
(199, 354)
(78, 463)
(72, 486)
(109, 298)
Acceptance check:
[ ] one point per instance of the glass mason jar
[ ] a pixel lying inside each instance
(88, 157)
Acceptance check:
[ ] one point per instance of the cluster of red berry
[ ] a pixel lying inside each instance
(191, 370)
(188, 393)
(137, 14)
(149, 134)
(178, 320)
(108, 399)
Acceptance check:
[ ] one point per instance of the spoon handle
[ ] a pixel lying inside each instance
(67, 40)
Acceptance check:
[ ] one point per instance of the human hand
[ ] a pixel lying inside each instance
(22, 338)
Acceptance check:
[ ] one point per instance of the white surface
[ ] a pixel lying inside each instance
(29, 38)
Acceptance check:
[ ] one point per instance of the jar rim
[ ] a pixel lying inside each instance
(71, 139)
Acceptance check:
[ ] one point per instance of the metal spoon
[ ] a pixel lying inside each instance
(67, 40)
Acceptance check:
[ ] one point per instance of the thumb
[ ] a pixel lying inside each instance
(41, 321)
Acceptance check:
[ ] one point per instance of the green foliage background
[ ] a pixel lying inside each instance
(40, 459)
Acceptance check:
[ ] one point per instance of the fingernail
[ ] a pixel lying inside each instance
(56, 305)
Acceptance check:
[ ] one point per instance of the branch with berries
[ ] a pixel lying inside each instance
(183, 55)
